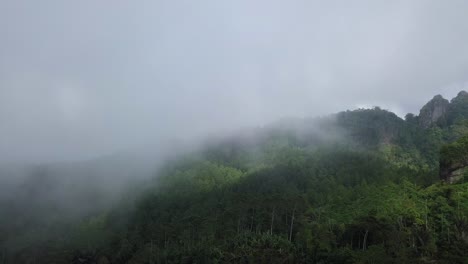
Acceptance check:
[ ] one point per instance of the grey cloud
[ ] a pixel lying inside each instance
(85, 78)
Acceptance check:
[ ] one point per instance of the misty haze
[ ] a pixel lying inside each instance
(233, 131)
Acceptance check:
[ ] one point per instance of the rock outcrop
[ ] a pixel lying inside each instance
(434, 112)
(454, 161)
(453, 174)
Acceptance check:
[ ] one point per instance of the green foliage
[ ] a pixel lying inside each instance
(361, 189)
(200, 176)
(456, 152)
(458, 110)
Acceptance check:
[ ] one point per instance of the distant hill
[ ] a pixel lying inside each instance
(361, 186)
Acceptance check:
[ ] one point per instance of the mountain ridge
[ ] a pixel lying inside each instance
(357, 186)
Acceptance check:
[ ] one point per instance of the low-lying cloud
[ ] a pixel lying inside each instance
(87, 78)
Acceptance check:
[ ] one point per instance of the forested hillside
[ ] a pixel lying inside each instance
(362, 186)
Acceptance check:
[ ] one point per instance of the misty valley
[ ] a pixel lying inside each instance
(361, 186)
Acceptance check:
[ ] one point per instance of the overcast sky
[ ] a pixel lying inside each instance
(86, 78)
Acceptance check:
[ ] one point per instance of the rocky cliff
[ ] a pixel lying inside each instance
(434, 112)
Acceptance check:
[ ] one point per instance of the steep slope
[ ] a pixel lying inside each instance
(458, 109)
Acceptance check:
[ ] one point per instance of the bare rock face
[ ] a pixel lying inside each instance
(458, 175)
(454, 174)
(454, 161)
(434, 111)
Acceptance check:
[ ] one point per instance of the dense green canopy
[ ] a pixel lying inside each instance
(356, 187)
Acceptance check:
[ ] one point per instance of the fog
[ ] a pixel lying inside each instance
(83, 79)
